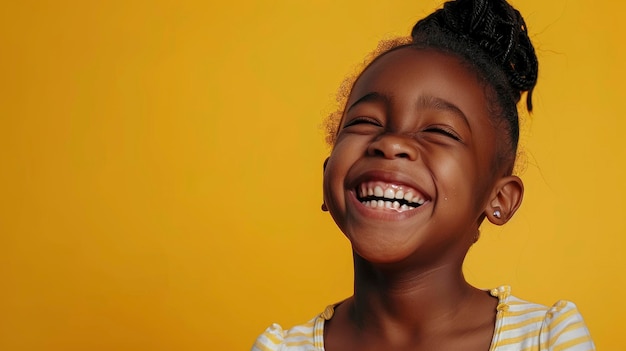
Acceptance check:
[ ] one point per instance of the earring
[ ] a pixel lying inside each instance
(324, 208)
(497, 213)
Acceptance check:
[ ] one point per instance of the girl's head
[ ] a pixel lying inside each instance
(428, 136)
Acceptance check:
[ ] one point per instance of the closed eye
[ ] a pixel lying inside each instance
(448, 132)
(362, 120)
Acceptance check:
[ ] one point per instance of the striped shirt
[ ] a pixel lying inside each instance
(520, 325)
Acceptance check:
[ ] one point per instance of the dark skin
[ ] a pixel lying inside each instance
(417, 121)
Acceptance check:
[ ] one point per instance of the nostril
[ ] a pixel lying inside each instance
(403, 155)
(379, 152)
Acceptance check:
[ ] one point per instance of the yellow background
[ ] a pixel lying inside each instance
(162, 161)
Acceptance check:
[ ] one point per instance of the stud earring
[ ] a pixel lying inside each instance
(497, 213)
(324, 208)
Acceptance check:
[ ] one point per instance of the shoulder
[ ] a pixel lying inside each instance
(303, 337)
(524, 324)
(564, 328)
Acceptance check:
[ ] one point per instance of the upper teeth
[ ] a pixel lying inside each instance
(389, 191)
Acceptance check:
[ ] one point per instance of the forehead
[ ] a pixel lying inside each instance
(408, 74)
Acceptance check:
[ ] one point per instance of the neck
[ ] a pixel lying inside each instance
(409, 301)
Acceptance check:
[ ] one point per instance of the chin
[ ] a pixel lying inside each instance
(382, 251)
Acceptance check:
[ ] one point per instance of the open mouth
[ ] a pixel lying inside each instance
(389, 196)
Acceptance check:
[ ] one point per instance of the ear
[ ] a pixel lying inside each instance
(506, 198)
(324, 208)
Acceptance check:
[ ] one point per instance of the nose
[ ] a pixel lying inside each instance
(391, 146)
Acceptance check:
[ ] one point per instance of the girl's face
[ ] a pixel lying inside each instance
(410, 174)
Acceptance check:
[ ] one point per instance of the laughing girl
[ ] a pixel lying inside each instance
(423, 154)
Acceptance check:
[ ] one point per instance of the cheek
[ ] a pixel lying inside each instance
(342, 158)
(344, 154)
(327, 188)
(464, 181)
(456, 174)
(334, 175)
(334, 195)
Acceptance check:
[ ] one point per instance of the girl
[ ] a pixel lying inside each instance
(423, 154)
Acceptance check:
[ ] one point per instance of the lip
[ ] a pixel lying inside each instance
(386, 177)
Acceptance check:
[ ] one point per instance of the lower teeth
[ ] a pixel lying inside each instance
(387, 204)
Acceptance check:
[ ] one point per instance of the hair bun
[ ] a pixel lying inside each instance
(498, 29)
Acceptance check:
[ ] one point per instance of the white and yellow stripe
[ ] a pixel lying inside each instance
(520, 326)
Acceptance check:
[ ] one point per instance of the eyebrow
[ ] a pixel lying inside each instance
(371, 97)
(436, 103)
